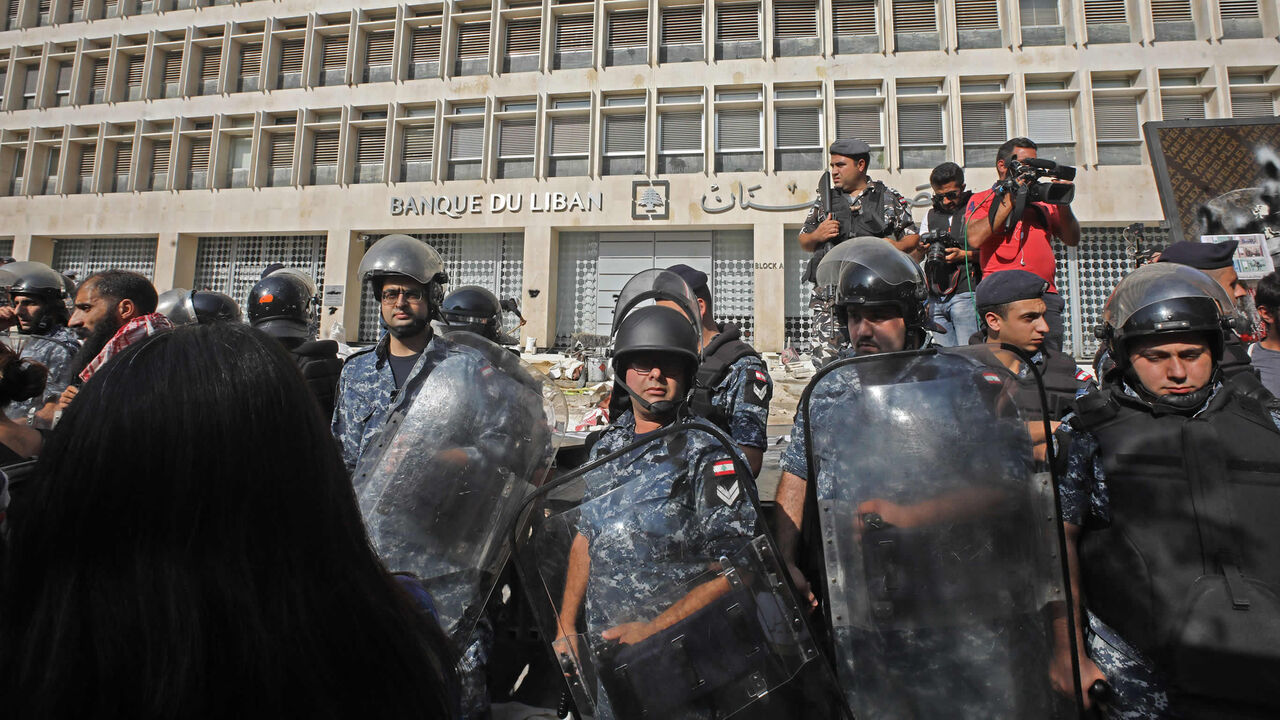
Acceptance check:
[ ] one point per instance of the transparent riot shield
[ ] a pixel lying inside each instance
(655, 286)
(651, 575)
(941, 543)
(440, 497)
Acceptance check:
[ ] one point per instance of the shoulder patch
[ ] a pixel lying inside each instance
(721, 482)
(1083, 376)
(757, 390)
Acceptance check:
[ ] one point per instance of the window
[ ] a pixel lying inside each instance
(51, 161)
(122, 159)
(798, 138)
(739, 139)
(1181, 107)
(985, 127)
(416, 152)
(171, 73)
(333, 60)
(1104, 12)
(473, 48)
(84, 168)
(568, 139)
(30, 86)
(424, 52)
(681, 34)
(574, 36)
(922, 143)
(159, 165)
(1173, 20)
(1116, 124)
(523, 39)
(1240, 18)
(17, 186)
(863, 122)
(680, 142)
(371, 153)
(1038, 13)
(855, 17)
(977, 15)
(624, 137)
(628, 38)
(198, 163)
(738, 23)
(1247, 102)
(250, 66)
(915, 16)
(517, 138)
(324, 157)
(378, 55)
(291, 54)
(239, 159)
(795, 27)
(466, 150)
(210, 66)
(280, 158)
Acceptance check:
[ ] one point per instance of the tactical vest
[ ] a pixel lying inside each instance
(1060, 385)
(724, 350)
(1138, 572)
(868, 222)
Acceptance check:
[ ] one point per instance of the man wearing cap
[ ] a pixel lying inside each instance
(732, 387)
(1012, 307)
(849, 204)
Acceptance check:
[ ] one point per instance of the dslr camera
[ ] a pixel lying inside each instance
(1032, 171)
(938, 241)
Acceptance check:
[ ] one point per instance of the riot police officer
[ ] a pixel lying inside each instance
(284, 305)
(39, 298)
(406, 277)
(1169, 510)
(849, 204)
(474, 309)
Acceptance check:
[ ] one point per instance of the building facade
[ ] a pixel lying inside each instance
(551, 149)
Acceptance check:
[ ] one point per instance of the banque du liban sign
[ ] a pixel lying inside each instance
(456, 206)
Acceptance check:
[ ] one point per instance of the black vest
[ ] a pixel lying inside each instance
(724, 350)
(954, 223)
(1060, 385)
(868, 221)
(1138, 571)
(320, 366)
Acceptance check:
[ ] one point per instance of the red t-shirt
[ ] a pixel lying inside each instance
(1026, 246)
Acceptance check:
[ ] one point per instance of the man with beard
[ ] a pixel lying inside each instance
(39, 310)
(114, 309)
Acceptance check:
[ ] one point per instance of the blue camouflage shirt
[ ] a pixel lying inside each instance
(794, 459)
(743, 397)
(54, 351)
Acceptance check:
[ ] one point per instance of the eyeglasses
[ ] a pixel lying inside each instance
(390, 296)
(669, 366)
(949, 195)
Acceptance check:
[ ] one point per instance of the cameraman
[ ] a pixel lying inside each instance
(1024, 243)
(951, 269)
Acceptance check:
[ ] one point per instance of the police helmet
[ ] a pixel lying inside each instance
(1165, 299)
(176, 305)
(36, 279)
(213, 307)
(474, 309)
(283, 304)
(403, 255)
(656, 328)
(871, 272)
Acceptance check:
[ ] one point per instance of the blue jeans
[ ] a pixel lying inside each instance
(958, 317)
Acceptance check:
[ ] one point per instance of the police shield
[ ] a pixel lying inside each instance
(941, 544)
(440, 497)
(651, 574)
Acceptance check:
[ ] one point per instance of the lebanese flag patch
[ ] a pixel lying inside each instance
(993, 378)
(722, 483)
(760, 377)
(1083, 376)
(723, 467)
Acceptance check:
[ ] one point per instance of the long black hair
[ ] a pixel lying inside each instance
(192, 548)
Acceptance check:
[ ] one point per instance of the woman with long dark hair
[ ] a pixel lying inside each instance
(191, 547)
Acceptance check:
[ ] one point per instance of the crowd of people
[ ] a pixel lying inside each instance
(226, 517)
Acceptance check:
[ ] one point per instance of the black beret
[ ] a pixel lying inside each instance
(1200, 255)
(694, 278)
(1008, 286)
(850, 147)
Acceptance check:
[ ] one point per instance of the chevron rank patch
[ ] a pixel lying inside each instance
(758, 391)
(722, 483)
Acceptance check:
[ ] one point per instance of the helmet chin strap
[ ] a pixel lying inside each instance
(662, 408)
(1178, 404)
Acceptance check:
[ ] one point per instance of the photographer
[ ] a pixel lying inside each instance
(951, 268)
(1010, 225)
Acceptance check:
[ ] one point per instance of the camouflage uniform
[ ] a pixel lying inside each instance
(655, 520)
(1138, 688)
(743, 397)
(827, 339)
(794, 458)
(54, 351)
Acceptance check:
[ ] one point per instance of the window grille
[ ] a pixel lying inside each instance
(682, 25)
(795, 18)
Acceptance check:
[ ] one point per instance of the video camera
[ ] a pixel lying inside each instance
(1032, 170)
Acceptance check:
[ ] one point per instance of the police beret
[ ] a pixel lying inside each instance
(1008, 286)
(850, 147)
(694, 278)
(1200, 255)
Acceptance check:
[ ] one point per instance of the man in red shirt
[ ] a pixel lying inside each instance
(1026, 245)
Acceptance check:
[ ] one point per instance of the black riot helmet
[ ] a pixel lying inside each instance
(871, 272)
(284, 305)
(213, 307)
(37, 280)
(402, 255)
(474, 309)
(1165, 299)
(656, 329)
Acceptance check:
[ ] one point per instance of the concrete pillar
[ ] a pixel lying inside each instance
(176, 262)
(771, 286)
(343, 253)
(541, 260)
(37, 249)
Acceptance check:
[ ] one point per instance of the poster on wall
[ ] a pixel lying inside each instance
(1252, 260)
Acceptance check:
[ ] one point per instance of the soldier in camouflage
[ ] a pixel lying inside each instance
(39, 310)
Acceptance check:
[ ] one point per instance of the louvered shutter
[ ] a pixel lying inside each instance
(333, 52)
(199, 154)
(570, 135)
(473, 40)
(13, 14)
(798, 127)
(984, 122)
(378, 47)
(160, 156)
(682, 25)
(1252, 105)
(291, 55)
(574, 32)
(371, 146)
(134, 70)
(629, 29)
(281, 149)
(325, 150)
(250, 59)
(1116, 118)
(1238, 9)
(1049, 121)
(1182, 107)
(795, 18)
(915, 16)
(64, 77)
(1038, 13)
(920, 124)
(417, 143)
(466, 141)
(42, 7)
(172, 68)
(1104, 12)
(77, 7)
(426, 44)
(855, 17)
(123, 157)
(209, 61)
(680, 132)
(99, 73)
(523, 36)
(738, 129)
(978, 15)
(1171, 10)
(860, 122)
(516, 138)
(623, 134)
(737, 22)
(84, 165)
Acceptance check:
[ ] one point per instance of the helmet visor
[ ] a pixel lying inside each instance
(890, 263)
(652, 286)
(1162, 282)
